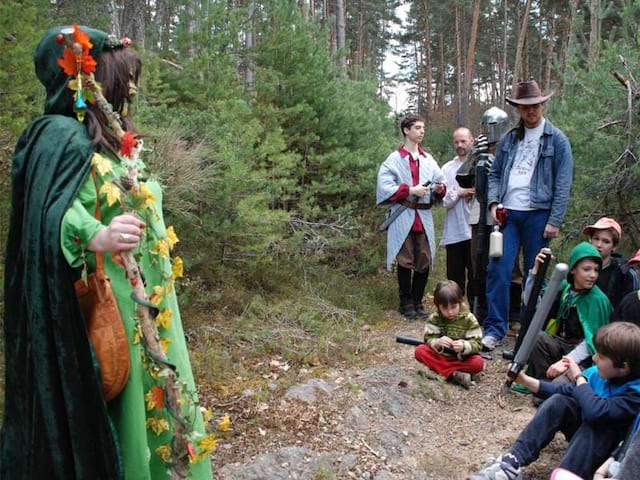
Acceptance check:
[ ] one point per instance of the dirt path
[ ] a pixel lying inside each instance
(389, 418)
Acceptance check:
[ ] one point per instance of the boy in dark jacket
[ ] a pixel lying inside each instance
(616, 277)
(594, 412)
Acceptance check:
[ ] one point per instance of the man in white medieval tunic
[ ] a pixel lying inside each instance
(410, 179)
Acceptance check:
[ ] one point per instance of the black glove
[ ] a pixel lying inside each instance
(481, 144)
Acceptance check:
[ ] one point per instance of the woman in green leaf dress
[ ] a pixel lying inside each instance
(56, 422)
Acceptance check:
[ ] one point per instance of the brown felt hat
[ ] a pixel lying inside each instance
(527, 93)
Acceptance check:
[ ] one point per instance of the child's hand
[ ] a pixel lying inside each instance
(573, 370)
(525, 380)
(458, 346)
(521, 378)
(557, 369)
(445, 342)
(540, 258)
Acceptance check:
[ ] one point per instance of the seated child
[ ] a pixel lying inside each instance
(580, 309)
(622, 457)
(452, 337)
(616, 277)
(594, 411)
(628, 310)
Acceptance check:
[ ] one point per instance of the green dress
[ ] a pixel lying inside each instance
(143, 428)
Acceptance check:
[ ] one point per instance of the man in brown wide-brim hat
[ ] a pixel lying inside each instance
(531, 177)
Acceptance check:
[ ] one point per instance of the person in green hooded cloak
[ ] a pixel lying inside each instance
(580, 309)
(56, 422)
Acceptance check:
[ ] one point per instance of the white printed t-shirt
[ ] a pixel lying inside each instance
(518, 196)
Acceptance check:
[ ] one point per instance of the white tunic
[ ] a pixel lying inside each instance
(456, 223)
(393, 172)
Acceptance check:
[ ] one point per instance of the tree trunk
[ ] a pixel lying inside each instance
(594, 34)
(341, 35)
(427, 60)
(517, 67)
(361, 32)
(115, 18)
(419, 95)
(249, 73)
(443, 89)
(568, 44)
(525, 60)
(505, 59)
(471, 50)
(459, 110)
(132, 21)
(550, 43)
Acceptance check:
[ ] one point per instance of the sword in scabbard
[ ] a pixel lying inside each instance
(392, 218)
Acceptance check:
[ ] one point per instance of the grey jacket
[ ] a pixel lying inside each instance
(551, 182)
(392, 173)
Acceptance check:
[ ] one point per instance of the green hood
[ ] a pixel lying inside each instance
(580, 252)
(59, 97)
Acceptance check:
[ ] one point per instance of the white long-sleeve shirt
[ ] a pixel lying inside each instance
(456, 223)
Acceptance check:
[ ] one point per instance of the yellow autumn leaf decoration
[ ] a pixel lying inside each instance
(164, 343)
(161, 248)
(137, 334)
(155, 398)
(207, 414)
(157, 296)
(146, 195)
(208, 444)
(112, 192)
(164, 452)
(172, 238)
(157, 425)
(103, 165)
(225, 423)
(177, 268)
(164, 318)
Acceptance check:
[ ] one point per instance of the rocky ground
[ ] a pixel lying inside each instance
(388, 418)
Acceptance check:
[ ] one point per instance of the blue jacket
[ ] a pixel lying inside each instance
(552, 177)
(601, 401)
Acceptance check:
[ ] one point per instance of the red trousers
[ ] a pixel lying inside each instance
(446, 365)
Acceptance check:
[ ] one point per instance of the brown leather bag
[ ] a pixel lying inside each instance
(104, 325)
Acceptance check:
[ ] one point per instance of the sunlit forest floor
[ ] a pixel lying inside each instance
(378, 415)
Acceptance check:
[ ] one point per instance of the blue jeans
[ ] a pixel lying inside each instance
(589, 444)
(523, 229)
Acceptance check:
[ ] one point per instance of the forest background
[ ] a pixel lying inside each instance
(266, 121)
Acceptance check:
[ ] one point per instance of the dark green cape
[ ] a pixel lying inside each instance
(55, 419)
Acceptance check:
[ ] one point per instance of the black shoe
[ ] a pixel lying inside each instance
(408, 311)
(509, 355)
(420, 312)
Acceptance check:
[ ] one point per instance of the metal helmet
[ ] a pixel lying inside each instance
(495, 123)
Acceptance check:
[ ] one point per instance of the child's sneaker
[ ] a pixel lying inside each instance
(503, 469)
(489, 343)
(461, 378)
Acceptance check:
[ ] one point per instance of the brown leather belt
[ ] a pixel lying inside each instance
(415, 205)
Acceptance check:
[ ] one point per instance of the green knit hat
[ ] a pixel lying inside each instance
(59, 97)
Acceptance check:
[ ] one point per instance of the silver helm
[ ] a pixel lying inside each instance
(495, 123)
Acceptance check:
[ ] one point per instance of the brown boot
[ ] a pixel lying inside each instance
(461, 378)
